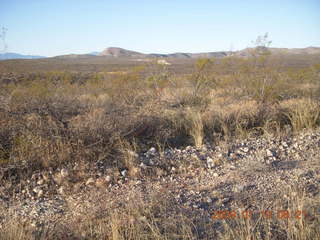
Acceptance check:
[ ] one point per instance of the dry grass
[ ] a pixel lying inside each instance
(53, 118)
(302, 113)
(302, 223)
(194, 126)
(160, 218)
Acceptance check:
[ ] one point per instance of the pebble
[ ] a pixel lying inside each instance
(108, 178)
(124, 173)
(90, 181)
(269, 153)
(245, 149)
(210, 163)
(152, 151)
(64, 172)
(36, 189)
(40, 181)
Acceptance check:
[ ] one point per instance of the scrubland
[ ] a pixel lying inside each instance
(51, 120)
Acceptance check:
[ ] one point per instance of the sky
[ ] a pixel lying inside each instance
(57, 27)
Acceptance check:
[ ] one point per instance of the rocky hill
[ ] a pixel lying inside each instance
(9, 55)
(120, 52)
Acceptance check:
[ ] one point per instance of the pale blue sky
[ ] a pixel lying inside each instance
(55, 27)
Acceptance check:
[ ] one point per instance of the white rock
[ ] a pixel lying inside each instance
(220, 155)
(36, 189)
(188, 148)
(269, 153)
(64, 172)
(40, 193)
(90, 181)
(108, 179)
(232, 167)
(163, 62)
(210, 163)
(124, 172)
(239, 188)
(40, 182)
(209, 160)
(245, 149)
(152, 150)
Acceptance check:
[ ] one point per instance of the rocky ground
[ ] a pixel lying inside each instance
(246, 174)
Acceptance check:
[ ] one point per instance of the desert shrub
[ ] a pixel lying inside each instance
(6, 127)
(38, 152)
(263, 86)
(202, 81)
(35, 93)
(186, 98)
(157, 79)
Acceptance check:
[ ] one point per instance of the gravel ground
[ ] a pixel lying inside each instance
(247, 174)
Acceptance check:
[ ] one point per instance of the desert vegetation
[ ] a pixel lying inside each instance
(64, 112)
(51, 120)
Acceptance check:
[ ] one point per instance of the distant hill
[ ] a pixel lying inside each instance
(93, 53)
(123, 53)
(5, 56)
(307, 51)
(74, 56)
(120, 52)
(115, 52)
(278, 51)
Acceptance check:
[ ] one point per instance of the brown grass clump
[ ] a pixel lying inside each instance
(302, 113)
